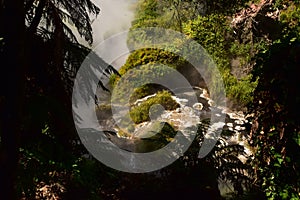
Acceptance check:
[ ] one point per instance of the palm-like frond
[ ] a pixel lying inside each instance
(58, 21)
(229, 167)
(51, 14)
(224, 158)
(79, 16)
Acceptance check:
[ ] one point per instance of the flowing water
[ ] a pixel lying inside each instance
(116, 16)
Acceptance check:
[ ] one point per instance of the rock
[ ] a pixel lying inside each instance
(238, 121)
(189, 115)
(198, 106)
(211, 103)
(230, 124)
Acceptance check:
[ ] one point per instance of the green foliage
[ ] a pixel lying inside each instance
(173, 14)
(142, 57)
(282, 4)
(139, 77)
(225, 7)
(276, 129)
(241, 90)
(49, 151)
(210, 26)
(290, 19)
(125, 133)
(166, 14)
(144, 91)
(140, 113)
(272, 87)
(147, 14)
(147, 10)
(145, 56)
(244, 51)
(215, 35)
(210, 31)
(49, 145)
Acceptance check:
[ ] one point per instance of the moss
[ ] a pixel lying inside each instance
(144, 91)
(125, 134)
(137, 79)
(140, 113)
(149, 55)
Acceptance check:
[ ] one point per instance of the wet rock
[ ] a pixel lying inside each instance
(198, 106)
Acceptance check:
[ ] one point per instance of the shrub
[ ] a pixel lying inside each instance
(138, 78)
(144, 91)
(215, 35)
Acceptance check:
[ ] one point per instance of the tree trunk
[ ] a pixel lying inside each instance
(12, 27)
(37, 17)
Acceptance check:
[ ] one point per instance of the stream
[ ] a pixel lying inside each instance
(182, 119)
(115, 17)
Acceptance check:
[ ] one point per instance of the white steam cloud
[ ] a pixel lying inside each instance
(115, 17)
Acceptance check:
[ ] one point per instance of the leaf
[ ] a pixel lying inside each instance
(280, 160)
(293, 39)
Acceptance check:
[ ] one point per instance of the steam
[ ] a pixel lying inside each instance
(115, 17)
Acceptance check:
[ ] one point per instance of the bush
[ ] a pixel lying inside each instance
(215, 35)
(148, 56)
(144, 91)
(138, 78)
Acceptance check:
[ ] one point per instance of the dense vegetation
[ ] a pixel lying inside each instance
(256, 46)
(40, 56)
(211, 28)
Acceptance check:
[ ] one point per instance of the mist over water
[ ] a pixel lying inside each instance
(115, 17)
